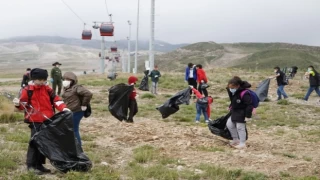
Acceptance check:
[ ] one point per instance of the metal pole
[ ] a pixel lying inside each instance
(151, 42)
(137, 39)
(102, 56)
(129, 47)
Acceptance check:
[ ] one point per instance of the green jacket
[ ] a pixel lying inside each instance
(56, 73)
(155, 74)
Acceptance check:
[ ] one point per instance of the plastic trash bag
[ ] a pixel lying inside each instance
(262, 90)
(144, 85)
(56, 141)
(119, 100)
(171, 106)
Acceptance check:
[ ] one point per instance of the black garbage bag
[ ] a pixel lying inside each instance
(144, 85)
(56, 141)
(262, 90)
(219, 127)
(171, 106)
(119, 100)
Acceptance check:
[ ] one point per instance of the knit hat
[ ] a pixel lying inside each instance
(132, 79)
(38, 73)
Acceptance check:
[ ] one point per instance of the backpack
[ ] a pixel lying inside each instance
(285, 79)
(254, 97)
(203, 100)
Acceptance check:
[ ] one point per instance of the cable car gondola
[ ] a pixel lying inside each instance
(114, 49)
(106, 29)
(86, 35)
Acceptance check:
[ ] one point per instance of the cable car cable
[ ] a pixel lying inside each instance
(73, 11)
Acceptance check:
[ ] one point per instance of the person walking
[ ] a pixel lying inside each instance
(155, 75)
(241, 111)
(191, 76)
(313, 77)
(281, 82)
(26, 78)
(202, 79)
(38, 100)
(77, 98)
(133, 106)
(56, 77)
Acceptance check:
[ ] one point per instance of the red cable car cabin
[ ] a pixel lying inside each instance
(114, 48)
(86, 34)
(106, 29)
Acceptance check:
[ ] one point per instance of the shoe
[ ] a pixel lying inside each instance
(197, 121)
(240, 146)
(43, 169)
(36, 171)
(234, 143)
(207, 121)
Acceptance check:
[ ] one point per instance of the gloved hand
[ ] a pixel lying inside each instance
(51, 80)
(66, 109)
(83, 108)
(156, 76)
(191, 86)
(247, 119)
(202, 81)
(16, 101)
(271, 77)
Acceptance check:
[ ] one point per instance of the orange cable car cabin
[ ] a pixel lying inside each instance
(106, 29)
(86, 35)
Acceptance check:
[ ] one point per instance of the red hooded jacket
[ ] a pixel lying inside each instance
(201, 75)
(131, 81)
(210, 100)
(40, 101)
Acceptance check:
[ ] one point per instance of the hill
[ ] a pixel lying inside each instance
(96, 44)
(242, 55)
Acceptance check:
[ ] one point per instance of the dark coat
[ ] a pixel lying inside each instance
(313, 80)
(240, 107)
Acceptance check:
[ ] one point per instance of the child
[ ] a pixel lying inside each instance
(155, 75)
(133, 106)
(241, 111)
(202, 105)
(38, 107)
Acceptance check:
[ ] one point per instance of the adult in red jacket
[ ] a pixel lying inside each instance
(201, 78)
(133, 106)
(36, 100)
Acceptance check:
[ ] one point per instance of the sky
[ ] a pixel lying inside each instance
(176, 21)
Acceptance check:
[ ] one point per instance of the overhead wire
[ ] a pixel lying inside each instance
(73, 12)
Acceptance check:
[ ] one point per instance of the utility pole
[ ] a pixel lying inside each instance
(151, 42)
(137, 39)
(102, 56)
(129, 48)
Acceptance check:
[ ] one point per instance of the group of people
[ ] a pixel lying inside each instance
(40, 104)
(39, 101)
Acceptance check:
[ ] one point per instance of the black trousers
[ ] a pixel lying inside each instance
(133, 109)
(203, 91)
(34, 158)
(193, 83)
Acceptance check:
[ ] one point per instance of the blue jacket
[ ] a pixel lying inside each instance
(187, 73)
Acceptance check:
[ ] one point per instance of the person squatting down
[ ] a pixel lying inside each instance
(36, 99)
(76, 98)
(202, 105)
(133, 106)
(241, 111)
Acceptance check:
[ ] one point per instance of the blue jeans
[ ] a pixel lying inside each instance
(201, 108)
(77, 116)
(311, 88)
(280, 92)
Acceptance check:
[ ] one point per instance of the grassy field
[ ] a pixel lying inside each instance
(283, 143)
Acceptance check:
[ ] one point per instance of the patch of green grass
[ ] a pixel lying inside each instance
(284, 174)
(148, 96)
(98, 172)
(308, 178)
(306, 158)
(27, 176)
(20, 137)
(11, 117)
(213, 172)
(283, 102)
(253, 176)
(87, 137)
(289, 155)
(6, 162)
(298, 95)
(210, 149)
(144, 154)
(3, 130)
(279, 132)
(138, 172)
